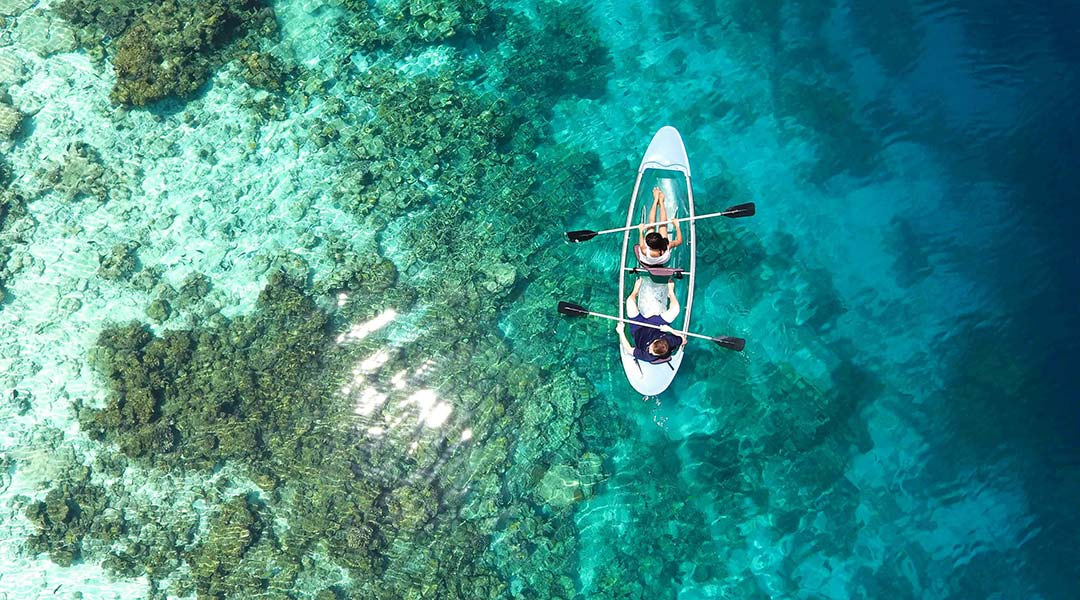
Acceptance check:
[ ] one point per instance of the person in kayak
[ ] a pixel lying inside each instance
(654, 248)
(651, 345)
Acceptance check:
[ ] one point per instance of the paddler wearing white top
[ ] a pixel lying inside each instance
(654, 248)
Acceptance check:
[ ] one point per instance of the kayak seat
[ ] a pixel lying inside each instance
(655, 271)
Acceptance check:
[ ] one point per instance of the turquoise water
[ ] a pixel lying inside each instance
(279, 301)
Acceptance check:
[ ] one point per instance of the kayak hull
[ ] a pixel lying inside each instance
(666, 165)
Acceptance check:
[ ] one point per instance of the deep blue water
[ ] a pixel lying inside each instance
(914, 166)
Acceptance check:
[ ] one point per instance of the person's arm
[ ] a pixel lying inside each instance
(624, 344)
(682, 344)
(678, 236)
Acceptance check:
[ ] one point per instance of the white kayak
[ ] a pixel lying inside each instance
(665, 165)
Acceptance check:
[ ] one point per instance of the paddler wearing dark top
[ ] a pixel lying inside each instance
(651, 345)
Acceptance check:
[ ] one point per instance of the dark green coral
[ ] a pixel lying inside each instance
(217, 563)
(237, 390)
(67, 515)
(171, 48)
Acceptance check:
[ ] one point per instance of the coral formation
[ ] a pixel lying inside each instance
(80, 174)
(120, 263)
(352, 442)
(160, 50)
(253, 376)
(5, 181)
(416, 22)
(159, 310)
(10, 118)
(70, 512)
(266, 71)
(98, 20)
(233, 531)
(15, 226)
(194, 289)
(171, 47)
(574, 61)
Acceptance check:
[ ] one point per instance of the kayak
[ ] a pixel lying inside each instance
(665, 165)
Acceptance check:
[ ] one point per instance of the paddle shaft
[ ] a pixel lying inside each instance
(682, 220)
(649, 325)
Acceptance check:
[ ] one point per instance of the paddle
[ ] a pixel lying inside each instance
(576, 310)
(734, 212)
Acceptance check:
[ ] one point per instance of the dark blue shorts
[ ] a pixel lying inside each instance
(653, 320)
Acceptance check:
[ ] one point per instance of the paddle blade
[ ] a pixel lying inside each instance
(572, 310)
(581, 235)
(742, 210)
(731, 343)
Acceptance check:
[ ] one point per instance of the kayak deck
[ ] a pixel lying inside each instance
(665, 165)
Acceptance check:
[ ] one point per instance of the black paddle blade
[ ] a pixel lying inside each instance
(581, 235)
(742, 210)
(731, 343)
(573, 310)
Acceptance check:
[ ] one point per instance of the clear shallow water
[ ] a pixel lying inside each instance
(899, 426)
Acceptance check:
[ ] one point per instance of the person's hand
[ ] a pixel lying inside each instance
(671, 287)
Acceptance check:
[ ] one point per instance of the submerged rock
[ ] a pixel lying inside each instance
(43, 33)
(12, 68)
(14, 7)
(10, 118)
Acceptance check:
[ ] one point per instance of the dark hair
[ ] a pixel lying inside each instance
(662, 347)
(656, 241)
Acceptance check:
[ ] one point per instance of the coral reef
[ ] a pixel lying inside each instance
(5, 181)
(120, 263)
(15, 226)
(171, 47)
(416, 22)
(10, 118)
(98, 20)
(266, 71)
(257, 379)
(407, 491)
(194, 289)
(159, 310)
(80, 174)
(233, 531)
(573, 62)
(70, 512)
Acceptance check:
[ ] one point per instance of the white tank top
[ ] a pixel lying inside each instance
(652, 261)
